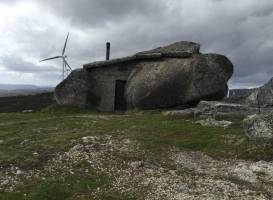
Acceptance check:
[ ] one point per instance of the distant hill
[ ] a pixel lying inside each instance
(8, 90)
(21, 87)
(241, 92)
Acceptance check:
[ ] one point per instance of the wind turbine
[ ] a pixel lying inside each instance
(66, 67)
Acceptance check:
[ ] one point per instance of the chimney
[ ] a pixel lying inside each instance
(108, 45)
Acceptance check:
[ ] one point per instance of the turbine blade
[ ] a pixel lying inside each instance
(67, 64)
(51, 58)
(65, 44)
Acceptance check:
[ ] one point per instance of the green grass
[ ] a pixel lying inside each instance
(156, 133)
(57, 109)
(51, 131)
(57, 188)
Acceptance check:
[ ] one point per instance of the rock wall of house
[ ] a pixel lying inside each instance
(73, 90)
(163, 83)
(104, 83)
(94, 88)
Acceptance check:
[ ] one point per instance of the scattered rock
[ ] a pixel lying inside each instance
(259, 128)
(213, 122)
(35, 154)
(180, 113)
(255, 172)
(136, 164)
(202, 178)
(24, 142)
(27, 111)
(242, 172)
(88, 139)
(18, 172)
(151, 165)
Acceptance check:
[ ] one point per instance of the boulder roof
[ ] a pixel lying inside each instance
(181, 49)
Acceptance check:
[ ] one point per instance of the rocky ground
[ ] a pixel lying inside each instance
(122, 168)
(187, 175)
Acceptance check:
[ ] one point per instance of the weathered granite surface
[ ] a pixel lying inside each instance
(207, 109)
(259, 128)
(262, 96)
(172, 82)
(165, 77)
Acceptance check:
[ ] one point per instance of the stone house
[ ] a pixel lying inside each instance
(166, 77)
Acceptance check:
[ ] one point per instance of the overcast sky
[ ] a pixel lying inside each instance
(34, 29)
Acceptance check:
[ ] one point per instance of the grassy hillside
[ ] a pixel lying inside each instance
(39, 152)
(13, 93)
(26, 102)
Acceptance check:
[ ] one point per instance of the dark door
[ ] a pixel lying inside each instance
(120, 102)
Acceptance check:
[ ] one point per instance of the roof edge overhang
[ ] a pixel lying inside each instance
(142, 56)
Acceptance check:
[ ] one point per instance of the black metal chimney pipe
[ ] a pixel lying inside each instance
(108, 46)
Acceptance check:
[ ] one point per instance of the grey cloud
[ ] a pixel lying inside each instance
(263, 10)
(239, 29)
(239, 34)
(9, 2)
(42, 75)
(97, 13)
(18, 64)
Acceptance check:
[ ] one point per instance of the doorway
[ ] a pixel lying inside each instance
(120, 101)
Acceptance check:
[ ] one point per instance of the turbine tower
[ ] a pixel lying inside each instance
(66, 69)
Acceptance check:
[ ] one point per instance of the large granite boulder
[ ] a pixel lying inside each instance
(175, 48)
(172, 81)
(76, 90)
(259, 128)
(170, 76)
(262, 96)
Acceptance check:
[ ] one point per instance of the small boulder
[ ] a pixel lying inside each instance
(136, 164)
(259, 128)
(180, 113)
(213, 122)
(27, 111)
